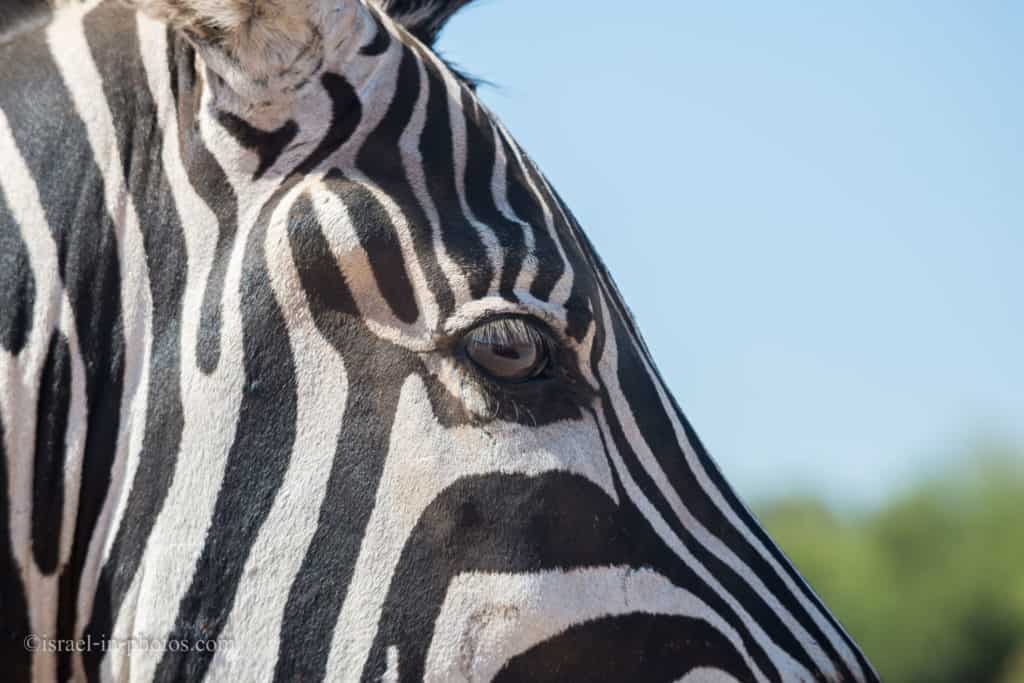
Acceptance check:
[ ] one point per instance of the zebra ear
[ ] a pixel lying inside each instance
(422, 18)
(262, 49)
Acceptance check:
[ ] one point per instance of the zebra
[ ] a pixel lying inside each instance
(308, 373)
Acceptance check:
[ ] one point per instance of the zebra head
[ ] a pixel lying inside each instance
(357, 394)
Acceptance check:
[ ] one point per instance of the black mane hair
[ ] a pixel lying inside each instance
(21, 15)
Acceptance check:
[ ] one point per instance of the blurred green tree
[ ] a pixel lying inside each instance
(931, 584)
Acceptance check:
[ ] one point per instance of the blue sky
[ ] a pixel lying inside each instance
(815, 213)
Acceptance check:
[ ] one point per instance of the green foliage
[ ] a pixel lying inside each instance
(932, 584)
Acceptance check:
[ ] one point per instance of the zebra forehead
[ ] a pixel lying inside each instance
(409, 114)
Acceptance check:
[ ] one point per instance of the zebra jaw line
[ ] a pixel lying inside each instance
(308, 374)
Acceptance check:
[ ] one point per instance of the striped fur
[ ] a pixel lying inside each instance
(236, 418)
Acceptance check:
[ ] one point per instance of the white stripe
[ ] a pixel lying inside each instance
(81, 77)
(391, 674)
(412, 160)
(210, 402)
(489, 618)
(254, 624)
(499, 190)
(563, 287)
(19, 390)
(460, 154)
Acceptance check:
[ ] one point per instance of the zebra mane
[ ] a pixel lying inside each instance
(422, 18)
(19, 15)
(425, 19)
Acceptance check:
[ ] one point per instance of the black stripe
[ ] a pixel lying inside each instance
(48, 468)
(210, 182)
(578, 310)
(268, 145)
(56, 149)
(264, 438)
(111, 31)
(527, 206)
(17, 284)
(480, 158)
(381, 160)
(323, 579)
(22, 15)
(459, 237)
(381, 39)
(379, 239)
(579, 306)
(629, 647)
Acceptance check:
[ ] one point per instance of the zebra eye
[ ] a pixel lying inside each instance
(509, 350)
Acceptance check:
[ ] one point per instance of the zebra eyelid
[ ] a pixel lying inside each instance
(549, 321)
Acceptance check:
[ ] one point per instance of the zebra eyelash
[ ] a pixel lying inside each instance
(511, 329)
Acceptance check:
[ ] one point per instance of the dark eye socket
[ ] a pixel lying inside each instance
(509, 350)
